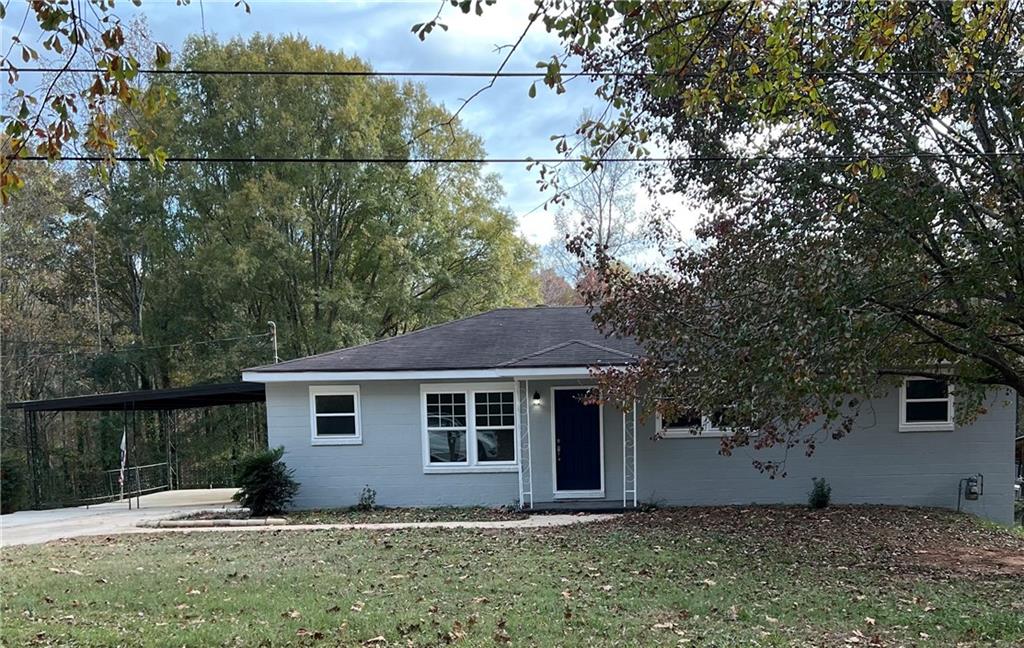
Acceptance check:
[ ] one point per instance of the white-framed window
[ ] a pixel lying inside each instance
(691, 425)
(334, 415)
(469, 428)
(926, 404)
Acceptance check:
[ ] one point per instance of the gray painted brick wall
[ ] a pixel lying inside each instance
(874, 464)
(389, 459)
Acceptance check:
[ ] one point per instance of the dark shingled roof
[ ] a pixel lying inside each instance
(507, 337)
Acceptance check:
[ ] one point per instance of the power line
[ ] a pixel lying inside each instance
(526, 75)
(852, 157)
(85, 347)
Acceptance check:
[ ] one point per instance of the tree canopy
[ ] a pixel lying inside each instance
(156, 278)
(860, 168)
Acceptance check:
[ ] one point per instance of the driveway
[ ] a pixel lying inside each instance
(34, 527)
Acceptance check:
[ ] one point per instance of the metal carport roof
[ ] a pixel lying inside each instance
(151, 399)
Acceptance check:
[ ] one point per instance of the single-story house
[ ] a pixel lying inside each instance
(487, 410)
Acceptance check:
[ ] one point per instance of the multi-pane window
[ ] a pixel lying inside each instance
(335, 415)
(470, 428)
(688, 421)
(495, 426)
(926, 404)
(446, 427)
(693, 424)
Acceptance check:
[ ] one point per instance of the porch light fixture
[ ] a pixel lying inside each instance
(536, 398)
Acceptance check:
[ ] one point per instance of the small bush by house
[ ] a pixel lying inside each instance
(367, 499)
(266, 484)
(820, 495)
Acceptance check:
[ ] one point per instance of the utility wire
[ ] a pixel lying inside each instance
(502, 74)
(86, 347)
(853, 157)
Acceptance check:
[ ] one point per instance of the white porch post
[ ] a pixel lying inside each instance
(629, 456)
(523, 430)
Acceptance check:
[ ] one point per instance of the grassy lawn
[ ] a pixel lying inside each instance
(703, 577)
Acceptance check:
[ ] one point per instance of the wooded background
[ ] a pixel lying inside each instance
(139, 278)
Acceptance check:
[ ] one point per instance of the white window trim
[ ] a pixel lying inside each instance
(707, 430)
(925, 426)
(334, 390)
(472, 464)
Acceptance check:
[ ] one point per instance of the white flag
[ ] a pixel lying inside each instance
(124, 456)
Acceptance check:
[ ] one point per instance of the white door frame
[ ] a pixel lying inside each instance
(575, 494)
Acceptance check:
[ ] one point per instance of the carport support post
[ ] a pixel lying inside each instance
(31, 454)
(138, 482)
(165, 425)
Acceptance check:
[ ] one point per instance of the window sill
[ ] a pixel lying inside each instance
(687, 434)
(926, 427)
(333, 442)
(451, 470)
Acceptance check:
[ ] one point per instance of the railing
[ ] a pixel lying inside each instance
(138, 480)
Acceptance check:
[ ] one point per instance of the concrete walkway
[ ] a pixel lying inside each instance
(34, 527)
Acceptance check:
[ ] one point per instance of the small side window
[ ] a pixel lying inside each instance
(334, 415)
(691, 425)
(926, 404)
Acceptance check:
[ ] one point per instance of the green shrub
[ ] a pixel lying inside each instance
(820, 495)
(266, 483)
(367, 499)
(12, 485)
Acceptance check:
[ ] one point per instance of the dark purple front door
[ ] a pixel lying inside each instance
(577, 442)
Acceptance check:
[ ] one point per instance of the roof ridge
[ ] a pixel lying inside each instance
(387, 339)
(595, 345)
(560, 345)
(537, 353)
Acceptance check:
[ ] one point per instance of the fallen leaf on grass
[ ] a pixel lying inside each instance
(869, 620)
(502, 636)
(315, 634)
(291, 614)
(379, 640)
(358, 606)
(855, 638)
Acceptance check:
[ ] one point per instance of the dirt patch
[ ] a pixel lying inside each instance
(972, 560)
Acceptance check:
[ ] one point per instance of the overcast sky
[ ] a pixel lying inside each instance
(511, 124)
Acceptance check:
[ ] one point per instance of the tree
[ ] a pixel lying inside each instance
(861, 167)
(336, 254)
(153, 279)
(556, 291)
(100, 111)
(600, 202)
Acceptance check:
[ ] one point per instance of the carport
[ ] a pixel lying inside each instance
(167, 402)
